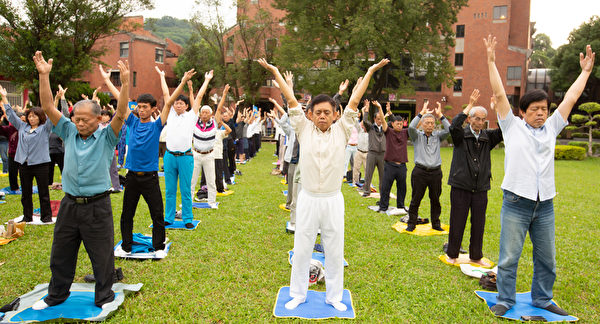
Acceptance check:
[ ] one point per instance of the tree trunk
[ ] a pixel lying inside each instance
(589, 141)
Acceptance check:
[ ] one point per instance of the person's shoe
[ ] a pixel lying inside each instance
(365, 194)
(120, 252)
(292, 304)
(26, 220)
(49, 220)
(168, 223)
(12, 306)
(556, 310)
(380, 210)
(189, 225)
(213, 205)
(117, 276)
(39, 305)
(410, 227)
(499, 310)
(339, 306)
(160, 254)
(437, 228)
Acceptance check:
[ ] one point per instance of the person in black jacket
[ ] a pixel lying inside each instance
(470, 174)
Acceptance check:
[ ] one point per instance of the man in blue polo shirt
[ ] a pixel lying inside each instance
(85, 212)
(142, 163)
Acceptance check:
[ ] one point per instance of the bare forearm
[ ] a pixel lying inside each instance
(46, 99)
(111, 87)
(573, 94)
(502, 105)
(198, 100)
(359, 91)
(287, 92)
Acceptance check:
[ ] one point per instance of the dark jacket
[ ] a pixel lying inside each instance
(376, 136)
(471, 166)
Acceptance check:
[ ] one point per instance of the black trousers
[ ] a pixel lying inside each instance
(147, 186)
(226, 173)
(55, 159)
(374, 159)
(461, 201)
(420, 181)
(40, 173)
(231, 156)
(13, 173)
(91, 223)
(219, 169)
(393, 172)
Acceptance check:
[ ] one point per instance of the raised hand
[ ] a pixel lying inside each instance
(190, 85)
(208, 75)
(61, 92)
(85, 97)
(41, 65)
(366, 105)
(474, 97)
(379, 65)
(237, 103)
(188, 75)
(490, 45)
(159, 71)
(3, 92)
(424, 110)
(105, 75)
(438, 110)
(289, 78)
(95, 95)
(124, 69)
(376, 104)
(226, 90)
(343, 86)
(587, 62)
(269, 67)
(388, 107)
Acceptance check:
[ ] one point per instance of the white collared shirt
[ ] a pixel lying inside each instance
(529, 156)
(180, 130)
(322, 153)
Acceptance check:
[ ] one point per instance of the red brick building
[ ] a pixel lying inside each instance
(507, 20)
(144, 51)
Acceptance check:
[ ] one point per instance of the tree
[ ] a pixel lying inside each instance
(566, 62)
(64, 30)
(178, 30)
(328, 41)
(588, 121)
(543, 52)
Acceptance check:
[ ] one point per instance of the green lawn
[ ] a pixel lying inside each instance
(230, 268)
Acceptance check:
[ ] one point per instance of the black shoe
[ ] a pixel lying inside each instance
(12, 306)
(437, 228)
(498, 310)
(117, 276)
(410, 228)
(380, 210)
(167, 223)
(189, 225)
(377, 203)
(556, 310)
(365, 194)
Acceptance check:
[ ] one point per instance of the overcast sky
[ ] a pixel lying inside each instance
(556, 18)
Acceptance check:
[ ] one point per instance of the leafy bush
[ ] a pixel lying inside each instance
(568, 152)
(595, 146)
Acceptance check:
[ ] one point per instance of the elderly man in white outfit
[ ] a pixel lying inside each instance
(320, 202)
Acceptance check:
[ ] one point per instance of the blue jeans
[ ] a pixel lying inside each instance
(178, 167)
(519, 215)
(4, 155)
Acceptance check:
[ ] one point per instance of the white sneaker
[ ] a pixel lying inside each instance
(160, 254)
(339, 306)
(120, 252)
(213, 205)
(39, 305)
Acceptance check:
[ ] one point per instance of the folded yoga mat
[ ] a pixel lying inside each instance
(179, 224)
(523, 307)
(54, 205)
(203, 205)
(283, 182)
(141, 248)
(319, 256)
(376, 195)
(464, 259)
(4, 241)
(78, 307)
(421, 230)
(314, 307)
(225, 193)
(282, 207)
(392, 211)
(2, 202)
(284, 192)
(7, 191)
(36, 220)
(475, 272)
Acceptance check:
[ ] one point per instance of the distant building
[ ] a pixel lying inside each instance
(507, 20)
(144, 51)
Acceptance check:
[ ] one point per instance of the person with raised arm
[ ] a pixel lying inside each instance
(528, 183)
(320, 202)
(469, 179)
(376, 153)
(85, 212)
(427, 173)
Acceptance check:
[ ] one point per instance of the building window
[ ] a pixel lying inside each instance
(254, 1)
(270, 45)
(159, 55)
(230, 46)
(134, 78)
(514, 73)
(500, 12)
(458, 59)
(124, 49)
(13, 95)
(460, 31)
(115, 78)
(458, 85)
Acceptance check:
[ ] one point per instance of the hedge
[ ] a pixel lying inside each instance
(595, 146)
(569, 152)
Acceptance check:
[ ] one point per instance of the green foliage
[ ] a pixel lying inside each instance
(447, 107)
(567, 152)
(329, 41)
(178, 30)
(595, 146)
(565, 65)
(542, 52)
(586, 122)
(64, 30)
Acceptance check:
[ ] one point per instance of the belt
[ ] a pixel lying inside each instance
(188, 152)
(139, 173)
(86, 200)
(361, 151)
(206, 152)
(420, 166)
(353, 144)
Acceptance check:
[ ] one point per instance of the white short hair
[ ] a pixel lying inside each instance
(476, 109)
(205, 107)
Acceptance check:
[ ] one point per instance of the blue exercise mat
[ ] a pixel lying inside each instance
(203, 205)
(161, 174)
(315, 255)
(141, 248)
(314, 307)
(78, 307)
(523, 307)
(179, 224)
(7, 191)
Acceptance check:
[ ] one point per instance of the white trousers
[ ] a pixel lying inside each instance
(206, 162)
(314, 211)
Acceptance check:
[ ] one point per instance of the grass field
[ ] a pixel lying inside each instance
(231, 267)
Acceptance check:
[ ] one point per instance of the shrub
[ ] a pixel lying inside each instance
(579, 135)
(568, 152)
(595, 146)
